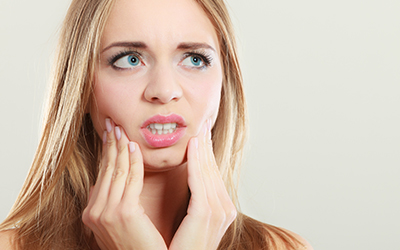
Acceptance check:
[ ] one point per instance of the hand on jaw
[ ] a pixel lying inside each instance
(117, 218)
(210, 210)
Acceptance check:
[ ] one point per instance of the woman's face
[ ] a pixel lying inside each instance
(159, 76)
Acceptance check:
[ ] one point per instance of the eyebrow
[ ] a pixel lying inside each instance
(142, 45)
(139, 45)
(195, 46)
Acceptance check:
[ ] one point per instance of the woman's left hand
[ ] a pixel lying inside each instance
(210, 210)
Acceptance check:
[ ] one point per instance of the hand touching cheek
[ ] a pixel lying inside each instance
(210, 210)
(114, 213)
(117, 218)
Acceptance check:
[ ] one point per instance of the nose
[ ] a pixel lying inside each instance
(163, 86)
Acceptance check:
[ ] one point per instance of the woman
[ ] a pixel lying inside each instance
(145, 129)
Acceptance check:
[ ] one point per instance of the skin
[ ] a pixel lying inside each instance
(141, 199)
(162, 85)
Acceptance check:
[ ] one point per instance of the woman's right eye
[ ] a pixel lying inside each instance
(128, 61)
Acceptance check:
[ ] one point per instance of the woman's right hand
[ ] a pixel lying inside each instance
(114, 212)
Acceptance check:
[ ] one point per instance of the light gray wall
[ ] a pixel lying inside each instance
(323, 86)
(28, 33)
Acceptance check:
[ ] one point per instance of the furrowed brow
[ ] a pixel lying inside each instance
(139, 45)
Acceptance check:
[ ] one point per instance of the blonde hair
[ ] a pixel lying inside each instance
(47, 213)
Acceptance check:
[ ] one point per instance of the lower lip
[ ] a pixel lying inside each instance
(162, 141)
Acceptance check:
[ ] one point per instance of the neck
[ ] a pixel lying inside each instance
(165, 198)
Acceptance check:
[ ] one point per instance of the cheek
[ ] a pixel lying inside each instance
(111, 100)
(214, 93)
(207, 95)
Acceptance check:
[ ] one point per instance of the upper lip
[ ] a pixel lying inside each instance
(171, 118)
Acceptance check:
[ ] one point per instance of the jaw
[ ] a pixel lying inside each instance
(164, 159)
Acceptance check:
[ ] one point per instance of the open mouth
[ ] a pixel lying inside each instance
(162, 129)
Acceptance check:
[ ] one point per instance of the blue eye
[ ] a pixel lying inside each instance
(193, 61)
(196, 60)
(128, 61)
(133, 60)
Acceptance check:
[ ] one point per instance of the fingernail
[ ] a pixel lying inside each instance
(118, 133)
(104, 137)
(196, 142)
(108, 125)
(131, 146)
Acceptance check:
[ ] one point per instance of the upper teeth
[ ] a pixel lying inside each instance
(160, 128)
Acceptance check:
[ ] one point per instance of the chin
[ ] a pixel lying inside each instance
(163, 159)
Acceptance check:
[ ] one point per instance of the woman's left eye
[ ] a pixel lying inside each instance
(129, 61)
(193, 60)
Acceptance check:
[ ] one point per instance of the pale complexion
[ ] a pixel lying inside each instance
(161, 32)
(158, 57)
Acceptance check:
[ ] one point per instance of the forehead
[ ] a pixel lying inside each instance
(159, 23)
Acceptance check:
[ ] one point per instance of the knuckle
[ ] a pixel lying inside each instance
(90, 216)
(108, 167)
(107, 219)
(94, 217)
(122, 147)
(134, 161)
(110, 142)
(85, 217)
(132, 178)
(125, 214)
(219, 216)
(231, 214)
(118, 173)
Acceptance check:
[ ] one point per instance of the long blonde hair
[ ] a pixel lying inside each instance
(47, 213)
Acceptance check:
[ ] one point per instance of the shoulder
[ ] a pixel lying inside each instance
(5, 239)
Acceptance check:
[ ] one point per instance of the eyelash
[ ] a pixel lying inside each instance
(121, 54)
(206, 58)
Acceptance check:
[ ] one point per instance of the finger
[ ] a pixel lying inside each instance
(195, 176)
(216, 191)
(95, 189)
(106, 169)
(121, 169)
(222, 201)
(134, 180)
(207, 161)
(214, 172)
(96, 202)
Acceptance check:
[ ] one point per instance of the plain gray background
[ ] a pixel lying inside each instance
(322, 80)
